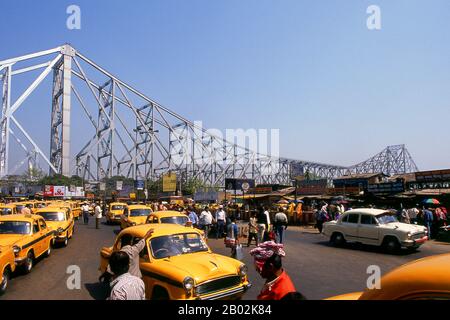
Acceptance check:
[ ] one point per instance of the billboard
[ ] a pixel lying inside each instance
(48, 191)
(170, 182)
(238, 184)
(139, 184)
(59, 191)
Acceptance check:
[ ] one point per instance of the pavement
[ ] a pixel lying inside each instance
(317, 269)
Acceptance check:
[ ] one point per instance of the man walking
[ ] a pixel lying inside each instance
(193, 218)
(428, 220)
(252, 230)
(280, 223)
(85, 212)
(98, 215)
(206, 219)
(220, 218)
(124, 286)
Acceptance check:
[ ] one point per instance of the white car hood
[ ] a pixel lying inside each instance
(405, 227)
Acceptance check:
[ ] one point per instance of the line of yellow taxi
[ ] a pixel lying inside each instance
(27, 237)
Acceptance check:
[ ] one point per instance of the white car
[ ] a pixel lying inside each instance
(374, 227)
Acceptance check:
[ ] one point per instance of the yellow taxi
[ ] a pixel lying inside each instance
(29, 236)
(423, 279)
(134, 215)
(177, 264)
(61, 221)
(115, 210)
(7, 267)
(170, 217)
(7, 209)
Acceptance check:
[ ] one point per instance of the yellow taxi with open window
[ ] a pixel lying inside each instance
(61, 221)
(177, 264)
(28, 235)
(115, 211)
(7, 267)
(134, 215)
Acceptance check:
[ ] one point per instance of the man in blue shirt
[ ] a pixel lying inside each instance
(193, 217)
(428, 220)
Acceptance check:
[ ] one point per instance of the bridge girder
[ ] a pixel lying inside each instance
(134, 136)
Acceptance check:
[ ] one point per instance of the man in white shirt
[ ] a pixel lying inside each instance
(85, 212)
(98, 215)
(206, 219)
(266, 212)
(124, 286)
(412, 213)
(220, 219)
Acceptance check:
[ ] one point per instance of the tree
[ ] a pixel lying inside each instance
(32, 175)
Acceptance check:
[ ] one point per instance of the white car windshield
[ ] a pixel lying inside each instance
(177, 244)
(386, 218)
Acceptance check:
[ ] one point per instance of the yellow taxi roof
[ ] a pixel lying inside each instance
(164, 214)
(161, 229)
(137, 206)
(20, 217)
(51, 209)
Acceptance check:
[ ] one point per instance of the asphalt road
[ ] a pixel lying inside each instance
(317, 269)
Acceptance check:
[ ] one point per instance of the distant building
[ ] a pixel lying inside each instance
(360, 181)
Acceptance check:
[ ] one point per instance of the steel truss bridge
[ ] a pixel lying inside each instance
(123, 132)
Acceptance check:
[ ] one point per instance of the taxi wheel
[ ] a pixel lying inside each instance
(49, 250)
(66, 242)
(29, 261)
(5, 282)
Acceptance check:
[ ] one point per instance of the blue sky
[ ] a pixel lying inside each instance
(338, 92)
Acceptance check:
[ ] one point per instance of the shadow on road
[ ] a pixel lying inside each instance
(368, 248)
(98, 291)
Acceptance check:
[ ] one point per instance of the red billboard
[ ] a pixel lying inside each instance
(48, 191)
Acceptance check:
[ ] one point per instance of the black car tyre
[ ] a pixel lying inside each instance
(5, 282)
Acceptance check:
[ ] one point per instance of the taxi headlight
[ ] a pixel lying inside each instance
(60, 230)
(188, 284)
(16, 250)
(243, 270)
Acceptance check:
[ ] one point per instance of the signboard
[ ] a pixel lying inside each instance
(90, 195)
(59, 191)
(119, 185)
(139, 184)
(386, 188)
(207, 196)
(48, 191)
(237, 184)
(170, 182)
(433, 176)
(88, 187)
(102, 186)
(132, 196)
(79, 192)
(312, 187)
(72, 188)
(342, 190)
(261, 190)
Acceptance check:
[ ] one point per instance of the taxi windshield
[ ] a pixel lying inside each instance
(175, 220)
(15, 227)
(53, 216)
(139, 212)
(386, 218)
(5, 211)
(117, 207)
(177, 244)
